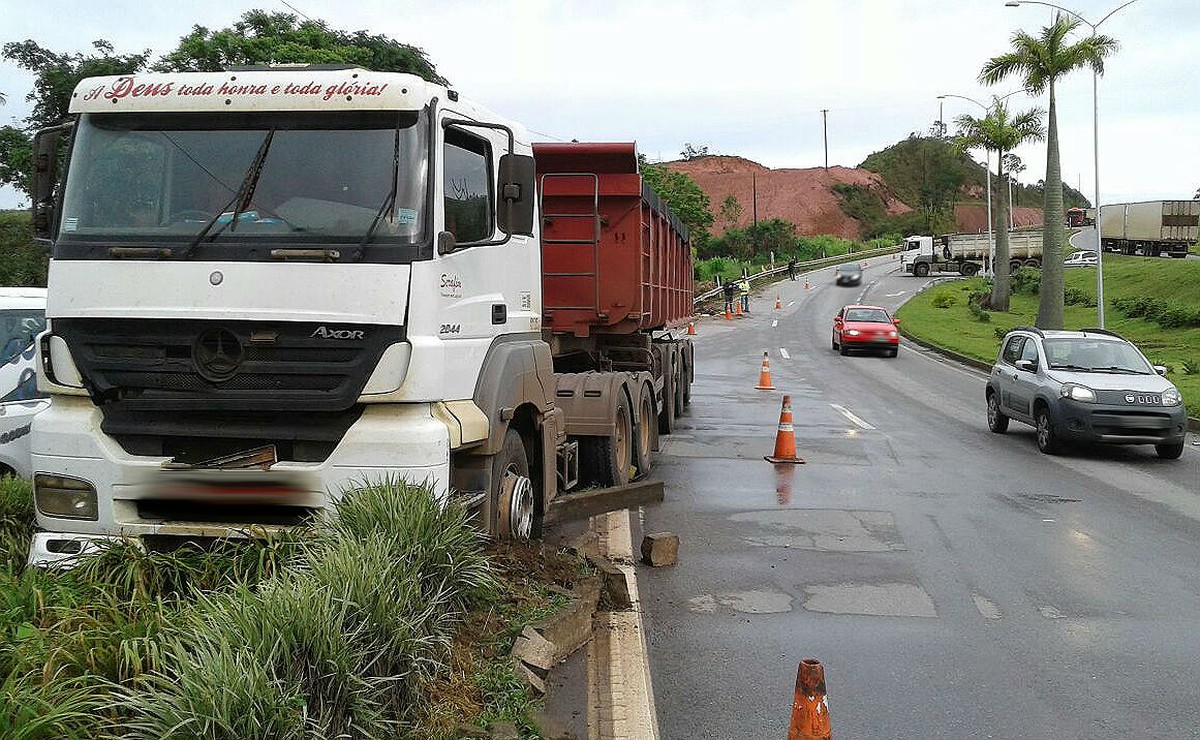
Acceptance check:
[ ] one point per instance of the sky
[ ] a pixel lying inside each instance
(739, 78)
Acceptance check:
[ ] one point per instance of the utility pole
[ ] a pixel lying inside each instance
(941, 119)
(825, 130)
(754, 208)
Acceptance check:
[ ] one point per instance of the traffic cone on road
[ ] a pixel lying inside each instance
(691, 328)
(764, 375)
(806, 285)
(785, 439)
(738, 308)
(778, 303)
(810, 708)
(728, 313)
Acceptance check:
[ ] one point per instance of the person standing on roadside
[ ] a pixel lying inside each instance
(744, 288)
(730, 292)
(792, 268)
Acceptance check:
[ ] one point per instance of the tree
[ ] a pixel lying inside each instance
(1014, 167)
(55, 77)
(1040, 62)
(996, 132)
(731, 211)
(683, 195)
(689, 152)
(259, 37)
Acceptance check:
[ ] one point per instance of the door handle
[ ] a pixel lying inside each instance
(499, 313)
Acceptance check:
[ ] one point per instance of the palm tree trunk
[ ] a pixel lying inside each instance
(1050, 294)
(1000, 282)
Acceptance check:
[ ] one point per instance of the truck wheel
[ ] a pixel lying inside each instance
(645, 433)
(514, 501)
(689, 374)
(968, 269)
(921, 269)
(607, 459)
(667, 411)
(680, 388)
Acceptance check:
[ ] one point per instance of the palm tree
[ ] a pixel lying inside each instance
(1040, 62)
(996, 132)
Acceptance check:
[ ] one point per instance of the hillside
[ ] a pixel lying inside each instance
(805, 197)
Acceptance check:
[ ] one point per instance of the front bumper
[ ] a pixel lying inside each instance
(136, 497)
(1120, 424)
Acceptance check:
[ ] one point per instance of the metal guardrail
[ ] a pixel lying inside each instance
(801, 267)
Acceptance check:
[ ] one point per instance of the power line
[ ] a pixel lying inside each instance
(295, 10)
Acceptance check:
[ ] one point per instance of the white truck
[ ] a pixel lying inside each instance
(1153, 227)
(267, 286)
(967, 254)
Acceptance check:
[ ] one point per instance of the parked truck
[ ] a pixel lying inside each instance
(271, 285)
(1078, 217)
(967, 254)
(1153, 227)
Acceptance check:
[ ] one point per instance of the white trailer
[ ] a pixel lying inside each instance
(1153, 227)
(967, 254)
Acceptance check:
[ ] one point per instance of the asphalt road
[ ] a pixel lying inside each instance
(954, 583)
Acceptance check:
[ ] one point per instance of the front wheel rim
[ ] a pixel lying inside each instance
(518, 491)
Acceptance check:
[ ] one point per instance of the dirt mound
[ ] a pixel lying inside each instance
(805, 197)
(972, 218)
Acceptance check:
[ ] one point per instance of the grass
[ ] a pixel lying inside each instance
(390, 619)
(1177, 281)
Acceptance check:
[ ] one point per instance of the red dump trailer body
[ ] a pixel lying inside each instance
(615, 260)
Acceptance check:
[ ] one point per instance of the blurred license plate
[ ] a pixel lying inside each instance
(228, 486)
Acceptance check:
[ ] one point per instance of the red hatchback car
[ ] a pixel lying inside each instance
(865, 327)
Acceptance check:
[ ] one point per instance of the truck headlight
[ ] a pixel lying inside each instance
(68, 498)
(1077, 392)
(1171, 397)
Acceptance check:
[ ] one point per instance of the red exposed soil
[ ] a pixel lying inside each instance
(805, 197)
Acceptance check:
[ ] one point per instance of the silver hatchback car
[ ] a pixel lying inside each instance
(1086, 386)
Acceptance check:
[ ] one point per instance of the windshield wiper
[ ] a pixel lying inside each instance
(1072, 367)
(242, 197)
(388, 202)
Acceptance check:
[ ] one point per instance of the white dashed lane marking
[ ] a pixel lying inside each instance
(851, 416)
(784, 353)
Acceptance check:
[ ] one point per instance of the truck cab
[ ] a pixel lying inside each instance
(268, 286)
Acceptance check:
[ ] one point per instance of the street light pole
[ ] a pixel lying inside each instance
(1095, 140)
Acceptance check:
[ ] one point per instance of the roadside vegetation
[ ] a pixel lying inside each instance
(776, 236)
(1154, 303)
(391, 619)
(23, 262)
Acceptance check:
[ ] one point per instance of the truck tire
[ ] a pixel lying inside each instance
(606, 460)
(689, 372)
(680, 386)
(517, 515)
(921, 269)
(667, 411)
(645, 432)
(1034, 263)
(968, 269)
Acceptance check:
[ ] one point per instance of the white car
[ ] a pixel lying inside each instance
(1081, 259)
(22, 318)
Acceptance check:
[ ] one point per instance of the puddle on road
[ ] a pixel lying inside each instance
(872, 599)
(825, 530)
(746, 602)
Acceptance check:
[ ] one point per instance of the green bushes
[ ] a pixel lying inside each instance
(23, 262)
(334, 631)
(944, 300)
(1026, 281)
(1164, 313)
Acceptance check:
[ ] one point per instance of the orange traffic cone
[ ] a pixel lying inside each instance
(778, 303)
(738, 308)
(806, 285)
(728, 313)
(764, 375)
(810, 708)
(785, 440)
(691, 328)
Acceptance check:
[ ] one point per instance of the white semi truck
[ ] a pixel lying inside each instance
(268, 286)
(967, 254)
(1153, 227)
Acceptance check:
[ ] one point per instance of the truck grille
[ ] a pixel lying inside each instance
(194, 390)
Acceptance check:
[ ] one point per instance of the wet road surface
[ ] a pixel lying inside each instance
(955, 583)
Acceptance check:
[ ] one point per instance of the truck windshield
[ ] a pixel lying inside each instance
(206, 185)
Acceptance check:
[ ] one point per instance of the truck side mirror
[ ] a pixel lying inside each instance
(446, 243)
(516, 191)
(46, 145)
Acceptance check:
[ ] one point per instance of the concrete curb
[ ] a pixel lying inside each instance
(1193, 422)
